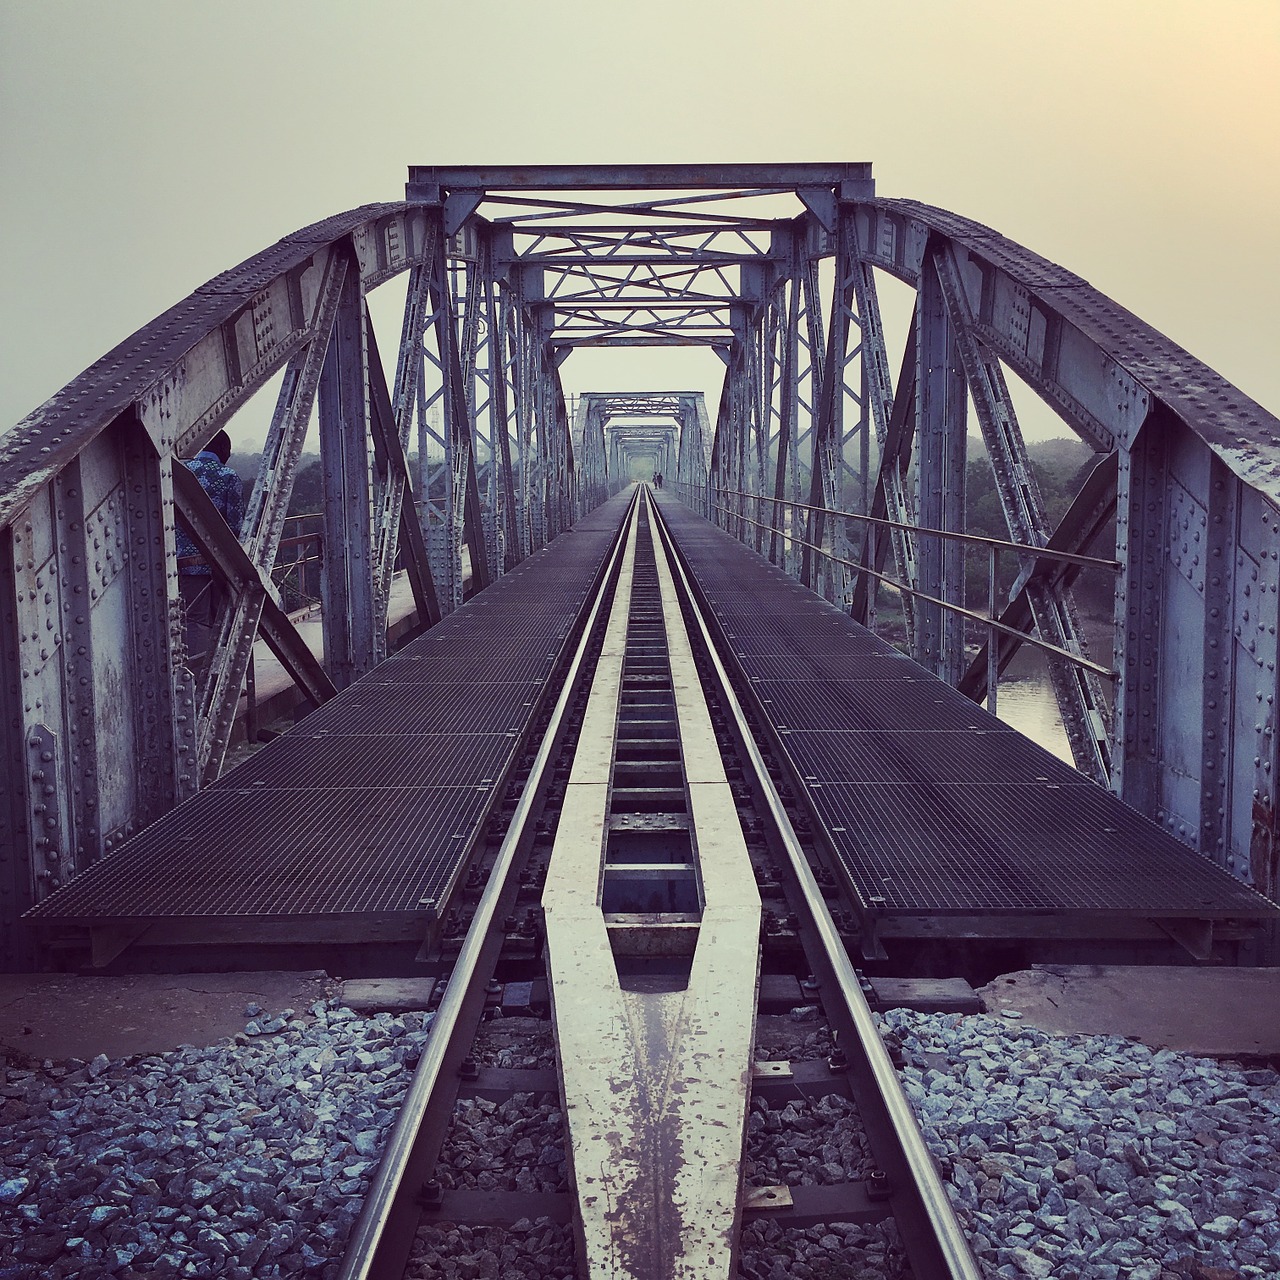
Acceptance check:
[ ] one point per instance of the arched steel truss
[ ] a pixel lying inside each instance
(832, 456)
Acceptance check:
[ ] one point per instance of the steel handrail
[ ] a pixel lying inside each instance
(981, 619)
(1028, 549)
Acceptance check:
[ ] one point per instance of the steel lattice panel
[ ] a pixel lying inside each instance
(383, 761)
(817, 665)
(984, 848)
(413, 707)
(476, 666)
(913, 702)
(370, 803)
(934, 805)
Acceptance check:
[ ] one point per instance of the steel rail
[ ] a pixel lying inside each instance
(948, 1254)
(387, 1186)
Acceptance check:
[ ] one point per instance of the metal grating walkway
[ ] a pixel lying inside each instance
(935, 806)
(369, 804)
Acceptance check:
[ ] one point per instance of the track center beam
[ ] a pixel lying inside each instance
(655, 1082)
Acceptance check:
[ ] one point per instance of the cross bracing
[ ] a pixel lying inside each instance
(825, 446)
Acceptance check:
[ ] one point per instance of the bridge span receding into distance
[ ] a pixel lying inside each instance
(818, 504)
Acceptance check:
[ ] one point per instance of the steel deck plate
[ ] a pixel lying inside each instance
(274, 853)
(926, 756)
(414, 707)
(914, 701)
(369, 804)
(382, 761)
(935, 806)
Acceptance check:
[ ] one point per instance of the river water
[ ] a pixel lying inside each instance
(1026, 701)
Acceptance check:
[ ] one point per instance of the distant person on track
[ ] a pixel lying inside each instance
(198, 590)
(657, 479)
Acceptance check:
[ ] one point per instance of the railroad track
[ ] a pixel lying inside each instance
(662, 834)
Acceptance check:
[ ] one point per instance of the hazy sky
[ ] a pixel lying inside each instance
(146, 146)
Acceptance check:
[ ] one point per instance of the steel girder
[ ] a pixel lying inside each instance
(941, 437)
(1085, 713)
(693, 461)
(610, 428)
(1191, 470)
(88, 495)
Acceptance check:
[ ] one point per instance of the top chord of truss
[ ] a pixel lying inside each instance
(853, 178)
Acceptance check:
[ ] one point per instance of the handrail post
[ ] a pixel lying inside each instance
(868, 567)
(993, 657)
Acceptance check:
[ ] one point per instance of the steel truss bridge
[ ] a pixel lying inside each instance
(839, 459)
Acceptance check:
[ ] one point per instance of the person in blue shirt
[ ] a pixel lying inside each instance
(198, 590)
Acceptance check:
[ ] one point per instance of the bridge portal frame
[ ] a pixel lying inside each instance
(107, 723)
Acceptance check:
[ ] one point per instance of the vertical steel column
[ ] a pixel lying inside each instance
(433, 451)
(528, 287)
(1254, 808)
(1141, 530)
(163, 723)
(894, 421)
(352, 645)
(262, 528)
(940, 431)
(390, 511)
(463, 518)
(751, 368)
(541, 361)
(93, 721)
(1222, 660)
(560, 455)
(727, 448)
(395, 498)
(597, 461)
(502, 394)
(786, 472)
(473, 291)
(826, 491)
(17, 883)
(470, 514)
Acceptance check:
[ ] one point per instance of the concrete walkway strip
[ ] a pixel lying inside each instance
(655, 1083)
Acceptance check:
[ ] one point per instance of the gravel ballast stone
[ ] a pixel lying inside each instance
(1073, 1157)
(1094, 1157)
(248, 1158)
(527, 1250)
